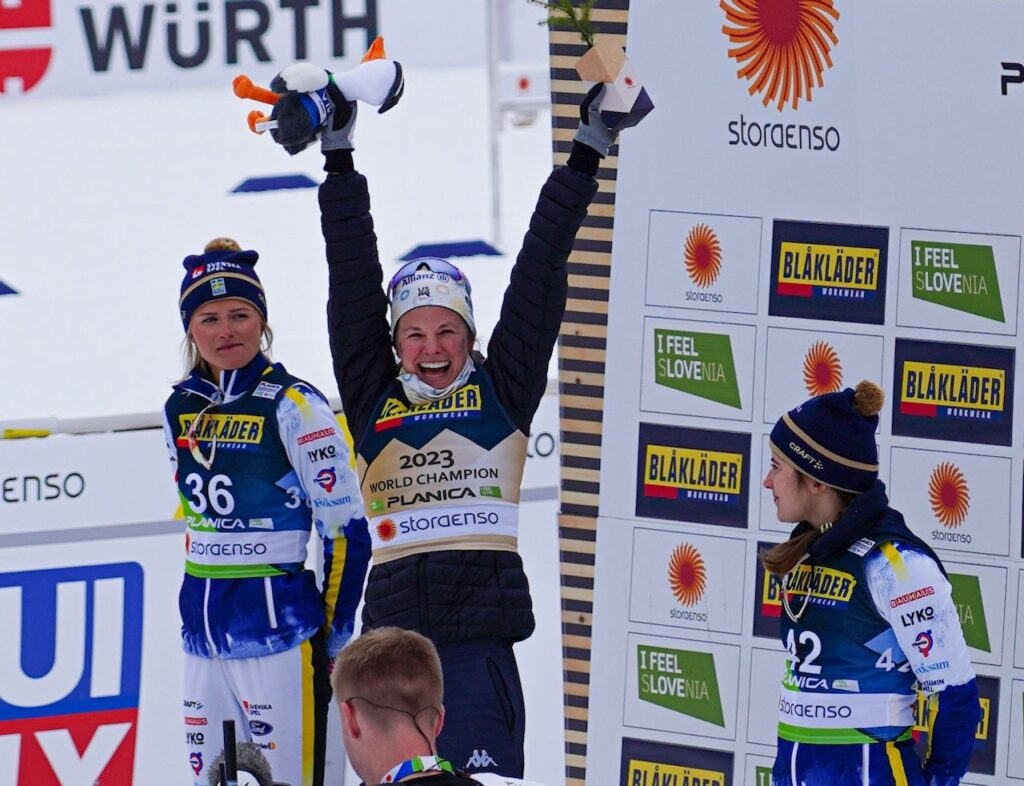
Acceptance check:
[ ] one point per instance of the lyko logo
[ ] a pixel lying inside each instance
(781, 47)
(703, 256)
(23, 67)
(70, 660)
(823, 373)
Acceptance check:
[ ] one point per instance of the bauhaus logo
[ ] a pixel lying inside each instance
(687, 575)
(702, 255)
(22, 67)
(782, 48)
(70, 660)
(948, 494)
(823, 371)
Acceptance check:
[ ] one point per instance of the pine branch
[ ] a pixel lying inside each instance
(563, 14)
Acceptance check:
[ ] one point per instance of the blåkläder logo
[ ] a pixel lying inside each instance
(957, 275)
(782, 46)
(680, 680)
(700, 364)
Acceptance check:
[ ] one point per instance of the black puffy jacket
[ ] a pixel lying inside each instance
(449, 596)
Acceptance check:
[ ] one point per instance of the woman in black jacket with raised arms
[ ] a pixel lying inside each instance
(441, 435)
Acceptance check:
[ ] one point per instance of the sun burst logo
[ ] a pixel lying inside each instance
(948, 494)
(823, 373)
(386, 530)
(703, 255)
(686, 574)
(782, 46)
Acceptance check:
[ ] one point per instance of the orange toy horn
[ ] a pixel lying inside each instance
(376, 50)
(244, 88)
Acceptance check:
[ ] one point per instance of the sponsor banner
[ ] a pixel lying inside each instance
(703, 261)
(828, 271)
(979, 592)
(986, 735)
(646, 763)
(767, 598)
(1015, 759)
(758, 770)
(57, 483)
(1018, 645)
(681, 686)
(767, 668)
(954, 501)
(698, 368)
(687, 581)
(686, 474)
(802, 363)
(71, 673)
(953, 392)
(958, 281)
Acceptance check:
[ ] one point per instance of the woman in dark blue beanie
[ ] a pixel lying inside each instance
(869, 618)
(260, 460)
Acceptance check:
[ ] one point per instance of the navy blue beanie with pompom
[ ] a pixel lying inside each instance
(831, 438)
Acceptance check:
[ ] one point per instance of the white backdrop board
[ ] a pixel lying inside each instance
(776, 239)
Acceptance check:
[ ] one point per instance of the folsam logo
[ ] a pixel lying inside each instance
(70, 660)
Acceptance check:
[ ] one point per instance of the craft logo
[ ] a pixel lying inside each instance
(693, 475)
(23, 67)
(983, 755)
(69, 697)
(954, 392)
(783, 54)
(464, 403)
(703, 256)
(231, 432)
(767, 598)
(687, 576)
(957, 275)
(971, 608)
(823, 373)
(646, 763)
(829, 271)
(680, 680)
(700, 364)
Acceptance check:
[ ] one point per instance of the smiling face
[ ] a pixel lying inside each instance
(227, 333)
(433, 343)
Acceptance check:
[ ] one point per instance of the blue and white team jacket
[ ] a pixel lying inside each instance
(280, 465)
(879, 623)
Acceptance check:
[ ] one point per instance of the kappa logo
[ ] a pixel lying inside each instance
(782, 52)
(703, 256)
(21, 67)
(948, 494)
(823, 372)
(687, 576)
(480, 759)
